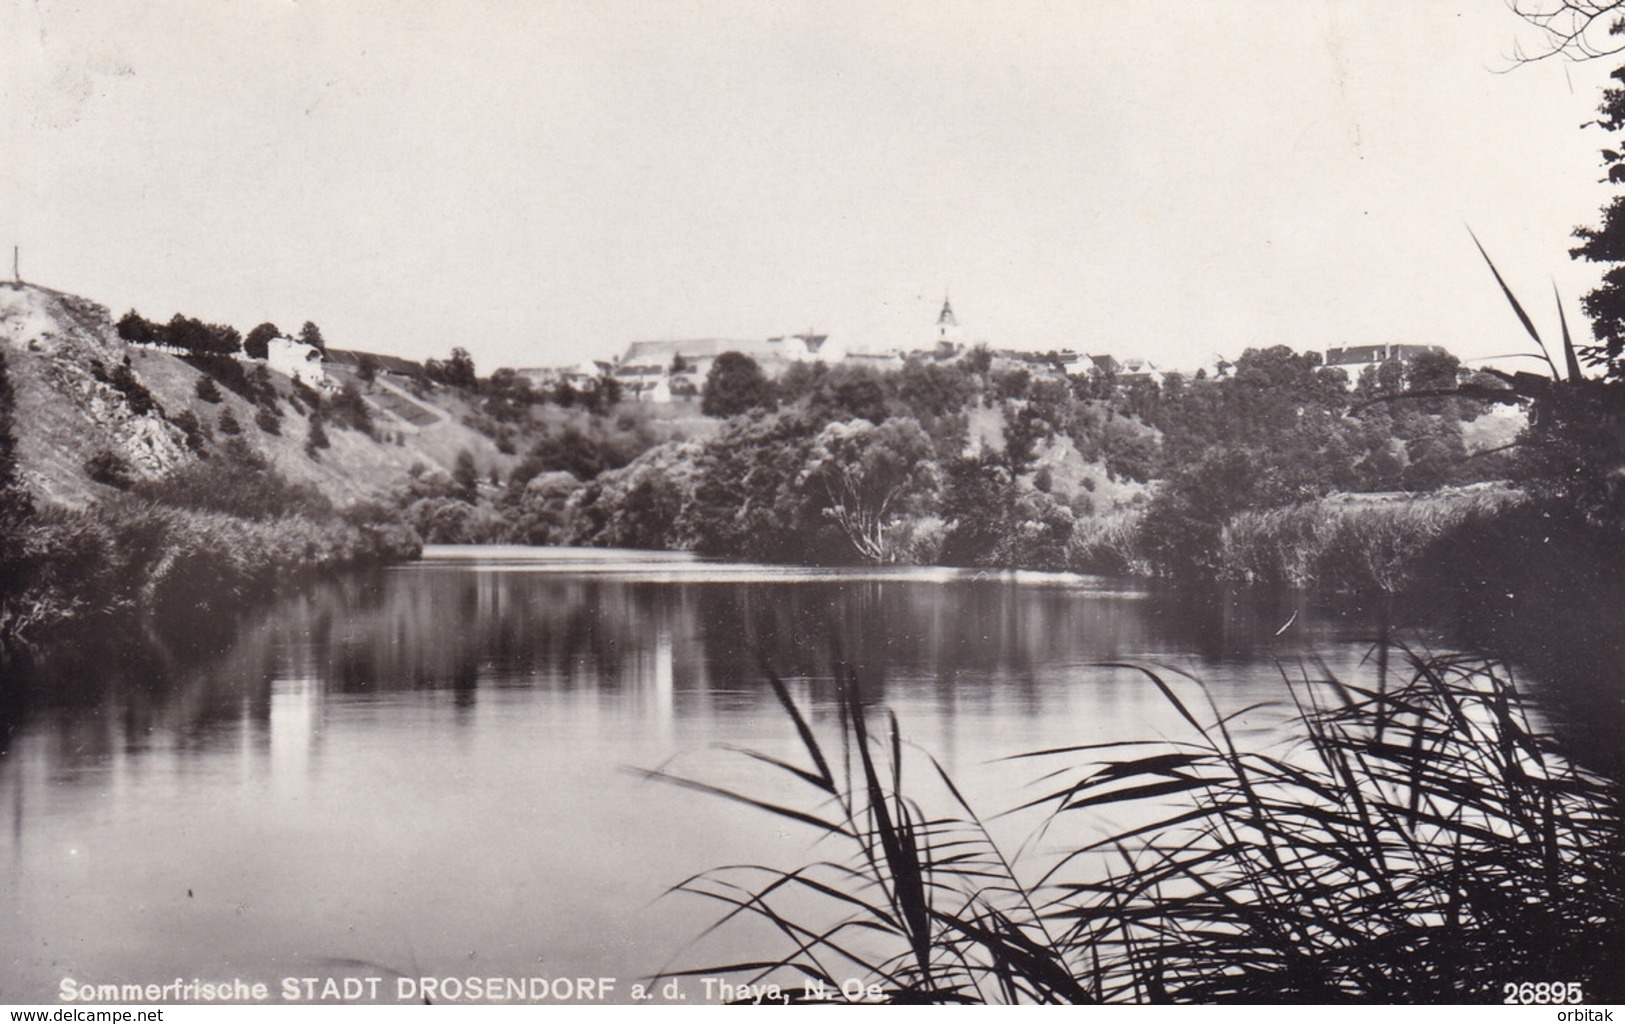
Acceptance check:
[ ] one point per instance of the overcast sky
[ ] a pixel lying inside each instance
(545, 181)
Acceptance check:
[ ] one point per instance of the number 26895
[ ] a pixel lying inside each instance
(1532, 993)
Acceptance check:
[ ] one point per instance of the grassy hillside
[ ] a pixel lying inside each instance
(139, 488)
(61, 349)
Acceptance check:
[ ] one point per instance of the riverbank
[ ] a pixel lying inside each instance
(142, 492)
(1340, 542)
(182, 556)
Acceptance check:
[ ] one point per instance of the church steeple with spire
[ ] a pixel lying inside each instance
(947, 323)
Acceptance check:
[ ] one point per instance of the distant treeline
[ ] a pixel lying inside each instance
(969, 463)
(194, 337)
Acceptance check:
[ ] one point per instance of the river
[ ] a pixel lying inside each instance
(427, 771)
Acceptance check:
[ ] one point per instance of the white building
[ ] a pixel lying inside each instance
(1356, 359)
(659, 371)
(1135, 368)
(297, 360)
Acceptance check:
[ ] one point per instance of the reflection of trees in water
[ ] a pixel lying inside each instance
(460, 629)
(437, 629)
(969, 632)
(457, 630)
(99, 703)
(967, 637)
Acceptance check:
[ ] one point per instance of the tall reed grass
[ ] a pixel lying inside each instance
(1349, 544)
(1109, 543)
(1422, 842)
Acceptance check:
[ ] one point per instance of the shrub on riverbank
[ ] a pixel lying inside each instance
(1109, 544)
(241, 483)
(184, 550)
(1345, 543)
(1339, 542)
(639, 505)
(1422, 843)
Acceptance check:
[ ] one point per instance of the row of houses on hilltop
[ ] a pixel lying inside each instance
(1125, 371)
(664, 371)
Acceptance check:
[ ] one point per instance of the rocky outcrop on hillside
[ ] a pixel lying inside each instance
(84, 398)
(65, 361)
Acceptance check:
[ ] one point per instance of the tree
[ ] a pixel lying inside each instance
(1382, 380)
(749, 503)
(932, 390)
(1012, 384)
(1434, 455)
(460, 369)
(844, 393)
(978, 360)
(584, 453)
(200, 339)
(1182, 526)
(228, 424)
(194, 429)
(349, 409)
(508, 399)
(736, 384)
(1583, 30)
(367, 369)
(1434, 371)
(258, 343)
(262, 387)
(1572, 454)
(1606, 244)
(872, 477)
(1575, 29)
(467, 476)
(457, 372)
(317, 437)
(977, 497)
(133, 327)
(208, 390)
(638, 506)
(135, 393)
(311, 335)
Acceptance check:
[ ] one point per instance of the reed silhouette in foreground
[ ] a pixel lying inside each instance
(1422, 842)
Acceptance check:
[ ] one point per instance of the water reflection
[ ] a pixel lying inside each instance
(422, 768)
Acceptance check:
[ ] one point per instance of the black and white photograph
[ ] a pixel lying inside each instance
(556, 503)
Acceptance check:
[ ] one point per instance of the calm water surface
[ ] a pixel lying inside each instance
(425, 770)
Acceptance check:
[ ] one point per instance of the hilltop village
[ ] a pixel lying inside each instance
(675, 370)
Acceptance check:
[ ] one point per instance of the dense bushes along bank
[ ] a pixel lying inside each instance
(180, 555)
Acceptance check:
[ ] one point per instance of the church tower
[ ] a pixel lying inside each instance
(947, 323)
